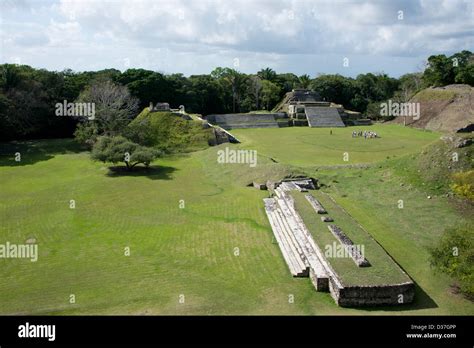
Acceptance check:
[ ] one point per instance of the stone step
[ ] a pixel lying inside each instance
(278, 233)
(291, 239)
(304, 238)
(277, 228)
(320, 116)
(297, 266)
(295, 236)
(292, 247)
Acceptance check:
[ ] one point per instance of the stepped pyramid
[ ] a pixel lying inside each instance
(306, 108)
(231, 121)
(323, 116)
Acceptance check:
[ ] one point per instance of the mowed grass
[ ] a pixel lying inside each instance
(218, 251)
(382, 270)
(371, 196)
(307, 147)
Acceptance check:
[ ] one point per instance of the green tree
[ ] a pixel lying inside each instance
(205, 95)
(463, 66)
(147, 86)
(255, 89)
(335, 88)
(304, 81)
(287, 82)
(114, 108)
(410, 84)
(267, 74)
(10, 76)
(234, 80)
(439, 71)
(119, 149)
(270, 94)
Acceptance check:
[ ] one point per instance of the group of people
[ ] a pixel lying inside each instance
(365, 134)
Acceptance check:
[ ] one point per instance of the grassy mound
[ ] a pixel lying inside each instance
(432, 94)
(436, 165)
(168, 132)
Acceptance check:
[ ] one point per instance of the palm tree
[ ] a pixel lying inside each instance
(267, 74)
(304, 81)
(256, 88)
(238, 82)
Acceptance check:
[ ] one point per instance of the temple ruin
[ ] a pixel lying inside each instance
(299, 108)
(306, 255)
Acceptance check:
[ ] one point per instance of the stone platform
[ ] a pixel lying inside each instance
(305, 257)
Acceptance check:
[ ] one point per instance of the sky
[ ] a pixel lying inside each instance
(195, 36)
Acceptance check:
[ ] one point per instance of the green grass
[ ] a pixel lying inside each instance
(307, 147)
(383, 269)
(169, 131)
(174, 251)
(428, 95)
(190, 251)
(371, 197)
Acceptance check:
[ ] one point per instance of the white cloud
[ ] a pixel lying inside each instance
(216, 31)
(64, 34)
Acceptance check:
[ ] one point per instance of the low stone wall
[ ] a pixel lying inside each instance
(316, 204)
(390, 294)
(359, 259)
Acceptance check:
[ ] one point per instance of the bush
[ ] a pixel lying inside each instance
(463, 184)
(454, 255)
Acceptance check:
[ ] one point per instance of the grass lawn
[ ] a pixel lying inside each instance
(192, 251)
(307, 147)
(382, 270)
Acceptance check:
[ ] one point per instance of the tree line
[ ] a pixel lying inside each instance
(28, 95)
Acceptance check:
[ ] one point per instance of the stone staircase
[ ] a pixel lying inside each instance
(232, 121)
(288, 245)
(320, 116)
(299, 250)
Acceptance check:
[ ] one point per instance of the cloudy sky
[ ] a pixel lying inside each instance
(195, 36)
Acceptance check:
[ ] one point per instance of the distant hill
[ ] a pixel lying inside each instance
(446, 109)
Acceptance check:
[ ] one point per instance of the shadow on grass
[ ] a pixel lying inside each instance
(33, 151)
(421, 301)
(152, 172)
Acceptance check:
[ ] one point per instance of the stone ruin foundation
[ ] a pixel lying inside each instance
(305, 258)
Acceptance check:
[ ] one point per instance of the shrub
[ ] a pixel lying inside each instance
(454, 255)
(463, 184)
